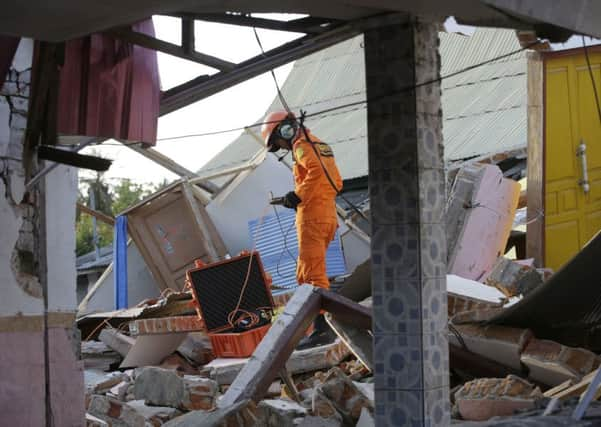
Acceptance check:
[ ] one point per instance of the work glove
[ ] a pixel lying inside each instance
(291, 200)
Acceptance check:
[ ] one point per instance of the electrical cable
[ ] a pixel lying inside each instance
(590, 70)
(307, 137)
(324, 113)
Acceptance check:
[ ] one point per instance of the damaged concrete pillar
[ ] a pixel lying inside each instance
(408, 244)
(38, 360)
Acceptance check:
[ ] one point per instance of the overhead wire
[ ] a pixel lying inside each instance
(325, 112)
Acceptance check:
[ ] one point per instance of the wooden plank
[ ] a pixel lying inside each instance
(275, 348)
(535, 171)
(149, 42)
(199, 220)
(96, 214)
(558, 388)
(576, 389)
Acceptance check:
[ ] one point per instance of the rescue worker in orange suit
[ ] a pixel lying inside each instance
(317, 181)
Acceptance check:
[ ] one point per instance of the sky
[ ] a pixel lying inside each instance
(241, 105)
(238, 106)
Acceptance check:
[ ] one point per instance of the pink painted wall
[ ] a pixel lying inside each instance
(487, 226)
(22, 380)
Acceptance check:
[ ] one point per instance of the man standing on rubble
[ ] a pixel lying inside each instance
(317, 182)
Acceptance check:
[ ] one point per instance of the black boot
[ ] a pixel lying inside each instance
(322, 334)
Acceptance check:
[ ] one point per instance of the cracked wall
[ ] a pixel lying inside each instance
(21, 289)
(23, 369)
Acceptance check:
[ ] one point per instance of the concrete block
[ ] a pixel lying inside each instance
(343, 395)
(498, 343)
(116, 340)
(279, 412)
(485, 398)
(159, 387)
(513, 278)
(114, 412)
(552, 363)
(242, 414)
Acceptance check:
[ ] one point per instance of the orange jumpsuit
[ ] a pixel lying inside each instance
(316, 220)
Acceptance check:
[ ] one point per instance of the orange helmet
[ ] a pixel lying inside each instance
(271, 123)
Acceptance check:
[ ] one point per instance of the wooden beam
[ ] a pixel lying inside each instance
(535, 229)
(308, 25)
(107, 219)
(149, 42)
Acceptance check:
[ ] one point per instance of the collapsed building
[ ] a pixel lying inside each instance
(491, 335)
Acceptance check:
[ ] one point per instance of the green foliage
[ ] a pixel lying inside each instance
(108, 199)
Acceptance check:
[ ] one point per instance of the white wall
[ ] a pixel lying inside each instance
(13, 298)
(249, 201)
(61, 196)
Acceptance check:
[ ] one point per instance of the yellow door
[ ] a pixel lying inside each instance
(572, 210)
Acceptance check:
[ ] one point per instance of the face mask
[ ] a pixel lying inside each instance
(287, 130)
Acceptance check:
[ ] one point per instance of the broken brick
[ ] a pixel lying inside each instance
(199, 393)
(114, 412)
(552, 363)
(485, 398)
(499, 343)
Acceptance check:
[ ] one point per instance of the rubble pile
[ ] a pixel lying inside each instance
(154, 364)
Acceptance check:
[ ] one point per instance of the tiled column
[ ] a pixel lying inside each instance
(407, 197)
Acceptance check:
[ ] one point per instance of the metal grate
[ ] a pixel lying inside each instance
(279, 249)
(218, 286)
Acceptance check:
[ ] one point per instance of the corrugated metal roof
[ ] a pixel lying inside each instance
(277, 242)
(484, 109)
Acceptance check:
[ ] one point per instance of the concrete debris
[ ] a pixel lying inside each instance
(485, 398)
(197, 348)
(279, 413)
(154, 415)
(241, 414)
(340, 393)
(97, 355)
(92, 421)
(312, 421)
(163, 387)
(116, 340)
(114, 412)
(177, 363)
(513, 278)
(552, 363)
(501, 344)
